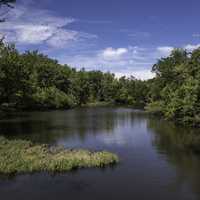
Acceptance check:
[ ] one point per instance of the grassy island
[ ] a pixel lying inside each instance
(19, 156)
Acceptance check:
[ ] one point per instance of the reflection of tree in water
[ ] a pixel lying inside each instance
(174, 141)
(48, 127)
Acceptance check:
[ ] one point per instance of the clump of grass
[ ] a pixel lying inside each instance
(98, 104)
(19, 156)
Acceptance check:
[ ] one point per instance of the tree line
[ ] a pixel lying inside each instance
(32, 80)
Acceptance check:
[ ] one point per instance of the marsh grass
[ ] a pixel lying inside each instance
(19, 156)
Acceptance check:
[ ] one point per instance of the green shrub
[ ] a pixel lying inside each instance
(19, 156)
(155, 107)
(53, 98)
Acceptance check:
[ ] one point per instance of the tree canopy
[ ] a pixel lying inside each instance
(32, 80)
(175, 92)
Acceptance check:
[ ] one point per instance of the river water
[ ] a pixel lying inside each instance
(151, 165)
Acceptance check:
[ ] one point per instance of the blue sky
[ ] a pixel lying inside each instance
(125, 37)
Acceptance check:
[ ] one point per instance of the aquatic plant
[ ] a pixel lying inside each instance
(19, 156)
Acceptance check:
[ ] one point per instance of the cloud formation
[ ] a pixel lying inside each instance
(191, 47)
(165, 50)
(132, 60)
(196, 35)
(113, 54)
(31, 26)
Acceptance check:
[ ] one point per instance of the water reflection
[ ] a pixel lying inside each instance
(153, 164)
(169, 140)
(50, 127)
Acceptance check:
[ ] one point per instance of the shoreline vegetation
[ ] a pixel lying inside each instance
(33, 81)
(20, 156)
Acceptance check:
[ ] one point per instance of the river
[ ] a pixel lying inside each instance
(151, 166)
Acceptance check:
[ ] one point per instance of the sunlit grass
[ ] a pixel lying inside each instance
(19, 156)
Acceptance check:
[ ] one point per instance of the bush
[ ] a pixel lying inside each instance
(155, 107)
(53, 98)
(19, 156)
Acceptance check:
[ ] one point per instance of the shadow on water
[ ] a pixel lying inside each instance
(174, 141)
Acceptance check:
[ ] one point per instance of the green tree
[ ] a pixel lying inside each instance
(175, 92)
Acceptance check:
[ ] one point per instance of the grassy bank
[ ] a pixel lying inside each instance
(98, 104)
(19, 156)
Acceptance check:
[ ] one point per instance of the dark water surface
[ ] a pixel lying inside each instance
(151, 167)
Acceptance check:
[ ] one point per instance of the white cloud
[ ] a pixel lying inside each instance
(32, 34)
(165, 50)
(196, 35)
(140, 74)
(113, 54)
(190, 47)
(124, 61)
(132, 60)
(28, 25)
(61, 38)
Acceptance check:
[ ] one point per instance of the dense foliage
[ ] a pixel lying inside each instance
(32, 80)
(175, 92)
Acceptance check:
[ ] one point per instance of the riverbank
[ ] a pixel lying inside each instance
(12, 110)
(19, 156)
(99, 104)
(7, 109)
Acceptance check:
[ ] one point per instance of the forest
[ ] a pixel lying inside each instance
(72, 124)
(32, 81)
